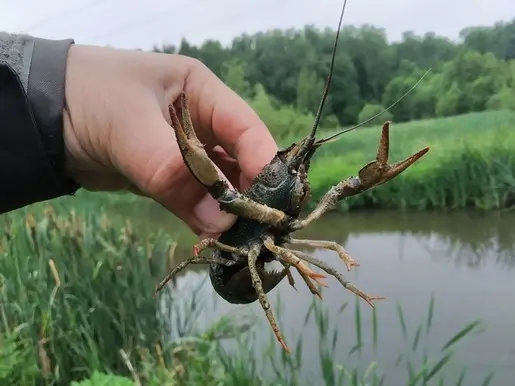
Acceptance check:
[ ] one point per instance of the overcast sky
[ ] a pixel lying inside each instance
(143, 23)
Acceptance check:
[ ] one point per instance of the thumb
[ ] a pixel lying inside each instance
(207, 219)
(207, 215)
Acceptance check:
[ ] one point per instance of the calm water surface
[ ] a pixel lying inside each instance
(465, 260)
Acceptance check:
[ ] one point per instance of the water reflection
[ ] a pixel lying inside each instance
(467, 239)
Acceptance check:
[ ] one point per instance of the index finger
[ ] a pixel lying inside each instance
(236, 126)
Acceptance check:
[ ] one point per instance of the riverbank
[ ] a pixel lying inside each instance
(470, 164)
(76, 301)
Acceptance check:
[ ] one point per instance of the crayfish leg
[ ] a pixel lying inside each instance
(263, 299)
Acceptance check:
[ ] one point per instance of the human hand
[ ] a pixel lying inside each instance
(118, 136)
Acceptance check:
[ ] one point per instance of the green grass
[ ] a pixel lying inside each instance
(75, 303)
(471, 164)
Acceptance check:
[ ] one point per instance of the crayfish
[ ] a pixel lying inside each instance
(268, 213)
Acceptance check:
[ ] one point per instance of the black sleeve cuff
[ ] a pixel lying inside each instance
(32, 154)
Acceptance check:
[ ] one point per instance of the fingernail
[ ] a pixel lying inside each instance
(210, 218)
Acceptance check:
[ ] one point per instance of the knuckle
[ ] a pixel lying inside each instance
(196, 67)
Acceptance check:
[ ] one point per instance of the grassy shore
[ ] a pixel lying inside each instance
(471, 164)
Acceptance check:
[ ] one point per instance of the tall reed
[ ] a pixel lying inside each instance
(76, 290)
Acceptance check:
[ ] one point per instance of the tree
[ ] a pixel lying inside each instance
(234, 75)
(477, 76)
(290, 67)
(498, 39)
(370, 110)
(309, 90)
(503, 100)
(424, 52)
(451, 102)
(397, 87)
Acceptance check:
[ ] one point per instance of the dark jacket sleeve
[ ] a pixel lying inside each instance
(32, 95)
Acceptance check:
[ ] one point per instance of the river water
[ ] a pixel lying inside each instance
(464, 260)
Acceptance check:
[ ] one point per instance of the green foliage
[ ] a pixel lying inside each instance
(234, 76)
(308, 89)
(291, 66)
(504, 99)
(282, 121)
(370, 110)
(497, 39)
(16, 362)
(451, 102)
(101, 379)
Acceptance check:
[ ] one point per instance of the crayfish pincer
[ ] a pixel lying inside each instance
(268, 213)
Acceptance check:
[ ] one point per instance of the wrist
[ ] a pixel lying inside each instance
(78, 144)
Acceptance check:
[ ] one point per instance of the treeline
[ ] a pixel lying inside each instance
(286, 69)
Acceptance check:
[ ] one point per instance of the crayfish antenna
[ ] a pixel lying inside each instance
(329, 77)
(307, 144)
